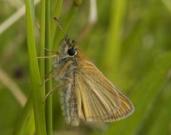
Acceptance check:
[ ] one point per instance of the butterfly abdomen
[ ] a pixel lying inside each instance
(67, 98)
(69, 105)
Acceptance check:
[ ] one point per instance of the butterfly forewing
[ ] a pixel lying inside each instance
(98, 99)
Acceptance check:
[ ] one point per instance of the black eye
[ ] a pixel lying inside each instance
(72, 51)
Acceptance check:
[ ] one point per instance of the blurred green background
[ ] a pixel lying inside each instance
(129, 41)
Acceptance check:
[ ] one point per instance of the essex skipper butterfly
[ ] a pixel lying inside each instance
(87, 95)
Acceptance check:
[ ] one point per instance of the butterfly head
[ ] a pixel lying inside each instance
(68, 49)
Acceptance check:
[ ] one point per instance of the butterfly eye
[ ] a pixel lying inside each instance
(72, 51)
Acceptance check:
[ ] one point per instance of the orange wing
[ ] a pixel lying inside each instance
(97, 98)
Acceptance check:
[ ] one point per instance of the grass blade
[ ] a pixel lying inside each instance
(25, 125)
(37, 93)
(113, 46)
(48, 66)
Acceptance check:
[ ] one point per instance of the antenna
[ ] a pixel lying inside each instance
(59, 25)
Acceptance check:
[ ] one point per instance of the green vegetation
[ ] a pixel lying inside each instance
(129, 41)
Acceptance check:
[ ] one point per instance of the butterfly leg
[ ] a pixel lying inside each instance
(51, 91)
(49, 76)
(56, 87)
(52, 55)
(50, 51)
(47, 57)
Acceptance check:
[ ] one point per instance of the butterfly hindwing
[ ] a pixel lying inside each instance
(97, 98)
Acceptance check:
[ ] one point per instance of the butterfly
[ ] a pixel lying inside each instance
(87, 95)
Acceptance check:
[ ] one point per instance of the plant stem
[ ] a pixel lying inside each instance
(42, 38)
(25, 125)
(56, 13)
(48, 65)
(37, 93)
(113, 46)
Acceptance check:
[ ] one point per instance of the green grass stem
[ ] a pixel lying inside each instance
(25, 125)
(48, 67)
(113, 44)
(37, 93)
